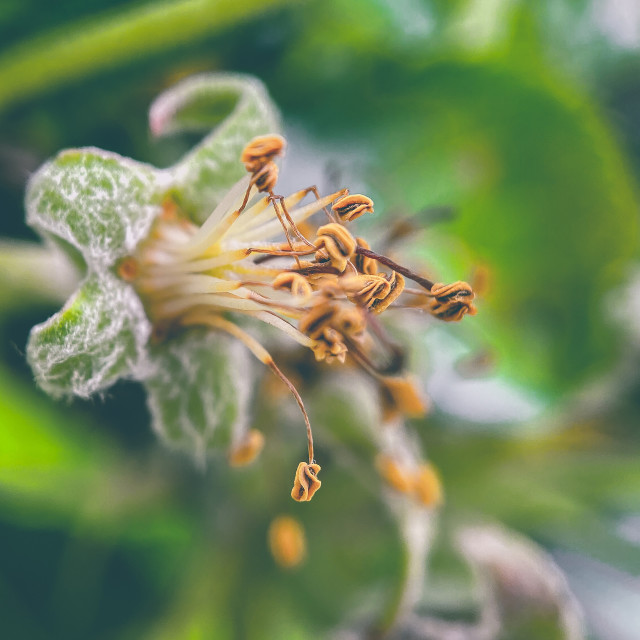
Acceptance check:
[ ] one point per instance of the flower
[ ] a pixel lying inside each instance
(172, 296)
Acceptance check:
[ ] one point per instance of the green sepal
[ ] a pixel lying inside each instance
(100, 203)
(198, 391)
(240, 109)
(98, 337)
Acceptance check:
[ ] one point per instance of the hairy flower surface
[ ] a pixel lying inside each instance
(174, 298)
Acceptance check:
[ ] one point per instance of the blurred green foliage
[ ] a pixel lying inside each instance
(522, 116)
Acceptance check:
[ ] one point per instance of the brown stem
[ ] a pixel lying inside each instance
(423, 282)
(317, 268)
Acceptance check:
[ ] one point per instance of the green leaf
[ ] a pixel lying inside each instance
(545, 201)
(117, 38)
(98, 337)
(239, 107)
(543, 198)
(198, 391)
(98, 202)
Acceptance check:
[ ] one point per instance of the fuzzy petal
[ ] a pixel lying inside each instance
(198, 391)
(240, 109)
(99, 336)
(97, 202)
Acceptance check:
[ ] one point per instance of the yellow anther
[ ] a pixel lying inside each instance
(394, 474)
(396, 286)
(452, 301)
(428, 486)
(261, 150)
(330, 347)
(335, 243)
(266, 177)
(364, 264)
(316, 319)
(349, 208)
(364, 289)
(248, 450)
(294, 282)
(287, 542)
(306, 482)
(350, 321)
(405, 396)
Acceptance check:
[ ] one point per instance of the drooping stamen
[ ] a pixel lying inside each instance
(259, 352)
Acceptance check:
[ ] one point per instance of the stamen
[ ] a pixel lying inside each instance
(271, 228)
(185, 283)
(174, 308)
(259, 352)
(295, 229)
(280, 323)
(195, 266)
(298, 285)
(336, 244)
(428, 486)
(207, 233)
(350, 208)
(427, 284)
(262, 212)
(305, 482)
(452, 301)
(260, 150)
(247, 450)
(287, 542)
(394, 474)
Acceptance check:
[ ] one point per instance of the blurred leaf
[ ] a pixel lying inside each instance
(543, 194)
(112, 40)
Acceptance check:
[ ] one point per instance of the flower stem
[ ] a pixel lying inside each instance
(33, 273)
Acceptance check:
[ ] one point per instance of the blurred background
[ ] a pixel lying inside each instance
(510, 131)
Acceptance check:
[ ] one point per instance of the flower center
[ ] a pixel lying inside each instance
(321, 286)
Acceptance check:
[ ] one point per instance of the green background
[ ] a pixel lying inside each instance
(522, 119)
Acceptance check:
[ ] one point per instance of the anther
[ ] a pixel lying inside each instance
(246, 451)
(363, 263)
(351, 207)
(287, 542)
(294, 282)
(404, 395)
(329, 346)
(305, 482)
(261, 150)
(452, 301)
(396, 285)
(428, 486)
(350, 322)
(266, 177)
(396, 476)
(335, 244)
(316, 319)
